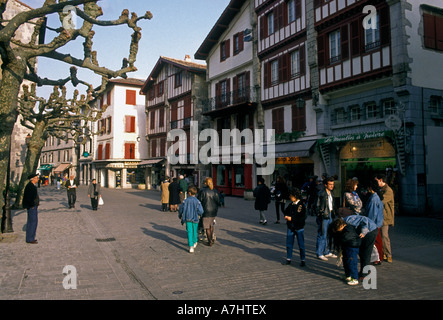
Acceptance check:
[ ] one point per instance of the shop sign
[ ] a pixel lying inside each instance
(355, 136)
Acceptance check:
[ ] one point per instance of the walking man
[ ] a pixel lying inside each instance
(31, 202)
(71, 185)
(325, 209)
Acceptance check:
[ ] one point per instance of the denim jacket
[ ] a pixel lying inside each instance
(374, 210)
(190, 210)
(362, 223)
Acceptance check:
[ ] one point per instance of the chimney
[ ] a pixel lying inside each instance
(187, 58)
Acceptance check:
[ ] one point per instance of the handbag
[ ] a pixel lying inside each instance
(100, 201)
(345, 212)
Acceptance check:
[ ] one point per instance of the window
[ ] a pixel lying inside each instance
(224, 92)
(372, 36)
(129, 124)
(99, 153)
(389, 107)
(278, 120)
(334, 47)
(295, 64)
(160, 89)
(162, 118)
(270, 18)
(291, 10)
(131, 97)
(371, 111)
(239, 176)
(224, 50)
(130, 151)
(274, 72)
(238, 43)
(355, 113)
(433, 31)
(178, 79)
(108, 125)
(339, 116)
(221, 176)
(108, 151)
(435, 105)
(152, 117)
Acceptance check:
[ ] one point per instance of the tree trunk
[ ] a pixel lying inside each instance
(35, 146)
(12, 77)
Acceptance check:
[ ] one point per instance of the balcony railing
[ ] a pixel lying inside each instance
(233, 98)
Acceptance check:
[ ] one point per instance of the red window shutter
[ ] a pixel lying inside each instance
(317, 3)
(108, 151)
(187, 108)
(281, 15)
(228, 48)
(152, 117)
(132, 124)
(344, 42)
(385, 27)
(321, 50)
(302, 56)
(248, 79)
(297, 9)
(162, 118)
(278, 120)
(439, 32)
(129, 124)
(131, 96)
(262, 27)
(266, 79)
(241, 42)
(100, 152)
(174, 111)
(298, 118)
(355, 37)
(429, 31)
(162, 147)
(235, 88)
(283, 68)
(154, 148)
(129, 151)
(108, 98)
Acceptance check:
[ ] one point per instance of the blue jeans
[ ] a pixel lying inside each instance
(191, 228)
(350, 262)
(290, 238)
(322, 246)
(31, 225)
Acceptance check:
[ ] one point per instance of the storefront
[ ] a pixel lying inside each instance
(154, 171)
(361, 155)
(232, 179)
(294, 162)
(119, 175)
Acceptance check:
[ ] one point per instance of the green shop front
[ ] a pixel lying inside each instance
(362, 155)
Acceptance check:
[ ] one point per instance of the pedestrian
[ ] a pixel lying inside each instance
(31, 202)
(94, 194)
(325, 210)
(174, 195)
(281, 195)
(388, 216)
(183, 188)
(164, 189)
(312, 195)
(368, 232)
(337, 191)
(59, 180)
(222, 198)
(72, 185)
(189, 213)
(351, 199)
(348, 240)
(262, 196)
(210, 201)
(295, 216)
(374, 211)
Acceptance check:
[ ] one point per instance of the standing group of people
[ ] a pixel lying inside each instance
(354, 228)
(173, 193)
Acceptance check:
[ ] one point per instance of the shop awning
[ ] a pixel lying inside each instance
(61, 168)
(149, 163)
(45, 167)
(296, 149)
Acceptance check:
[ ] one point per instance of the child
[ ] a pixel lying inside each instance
(295, 216)
(348, 239)
(189, 213)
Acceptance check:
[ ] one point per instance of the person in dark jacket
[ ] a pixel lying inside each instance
(347, 238)
(295, 216)
(210, 201)
(71, 185)
(281, 195)
(94, 194)
(174, 195)
(262, 196)
(31, 202)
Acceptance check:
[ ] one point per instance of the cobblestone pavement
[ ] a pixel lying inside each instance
(130, 250)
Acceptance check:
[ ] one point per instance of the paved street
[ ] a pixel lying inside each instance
(129, 250)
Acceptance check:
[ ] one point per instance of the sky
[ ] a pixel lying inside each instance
(178, 28)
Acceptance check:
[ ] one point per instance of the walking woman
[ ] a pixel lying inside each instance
(174, 195)
(210, 201)
(94, 193)
(165, 194)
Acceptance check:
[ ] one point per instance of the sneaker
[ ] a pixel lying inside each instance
(302, 264)
(195, 245)
(191, 249)
(389, 259)
(331, 255)
(286, 262)
(265, 222)
(347, 279)
(352, 282)
(322, 258)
